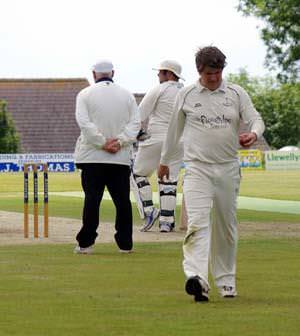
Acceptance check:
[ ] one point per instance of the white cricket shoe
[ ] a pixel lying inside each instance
(150, 220)
(83, 250)
(165, 227)
(227, 291)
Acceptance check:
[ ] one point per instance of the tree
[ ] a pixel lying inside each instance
(9, 139)
(281, 33)
(279, 105)
(280, 109)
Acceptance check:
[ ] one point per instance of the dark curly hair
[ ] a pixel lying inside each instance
(209, 56)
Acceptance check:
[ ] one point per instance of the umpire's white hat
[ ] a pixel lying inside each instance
(103, 66)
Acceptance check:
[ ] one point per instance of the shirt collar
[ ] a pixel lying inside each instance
(104, 79)
(221, 88)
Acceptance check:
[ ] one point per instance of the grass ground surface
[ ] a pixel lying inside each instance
(281, 185)
(71, 207)
(46, 290)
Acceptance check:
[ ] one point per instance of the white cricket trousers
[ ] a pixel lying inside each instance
(211, 235)
(148, 158)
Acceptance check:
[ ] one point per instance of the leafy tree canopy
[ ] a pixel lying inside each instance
(279, 105)
(281, 33)
(9, 140)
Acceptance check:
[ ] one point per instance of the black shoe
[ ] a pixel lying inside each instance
(196, 286)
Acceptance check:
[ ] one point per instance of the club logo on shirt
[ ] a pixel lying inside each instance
(216, 122)
(198, 105)
(227, 102)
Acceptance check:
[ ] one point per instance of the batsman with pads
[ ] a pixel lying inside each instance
(156, 110)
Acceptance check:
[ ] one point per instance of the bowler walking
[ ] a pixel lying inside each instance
(208, 114)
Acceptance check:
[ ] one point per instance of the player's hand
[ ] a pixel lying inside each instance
(247, 139)
(163, 171)
(112, 146)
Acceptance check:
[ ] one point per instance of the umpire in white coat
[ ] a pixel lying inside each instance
(208, 113)
(108, 119)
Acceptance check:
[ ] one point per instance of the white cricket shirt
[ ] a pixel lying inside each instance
(158, 106)
(105, 110)
(209, 122)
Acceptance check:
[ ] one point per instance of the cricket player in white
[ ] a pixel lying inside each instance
(208, 114)
(156, 110)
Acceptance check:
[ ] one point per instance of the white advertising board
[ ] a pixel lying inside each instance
(285, 160)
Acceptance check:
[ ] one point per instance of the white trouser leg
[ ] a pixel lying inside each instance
(224, 226)
(198, 193)
(147, 159)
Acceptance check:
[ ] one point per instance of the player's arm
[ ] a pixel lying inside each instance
(146, 108)
(87, 127)
(148, 103)
(175, 130)
(251, 118)
(131, 129)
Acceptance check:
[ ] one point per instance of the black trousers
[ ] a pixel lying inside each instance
(94, 178)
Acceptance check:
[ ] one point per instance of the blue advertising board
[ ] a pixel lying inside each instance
(57, 162)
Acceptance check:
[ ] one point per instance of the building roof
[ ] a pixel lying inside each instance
(43, 111)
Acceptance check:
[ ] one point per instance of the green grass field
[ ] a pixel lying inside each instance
(267, 184)
(47, 290)
(282, 185)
